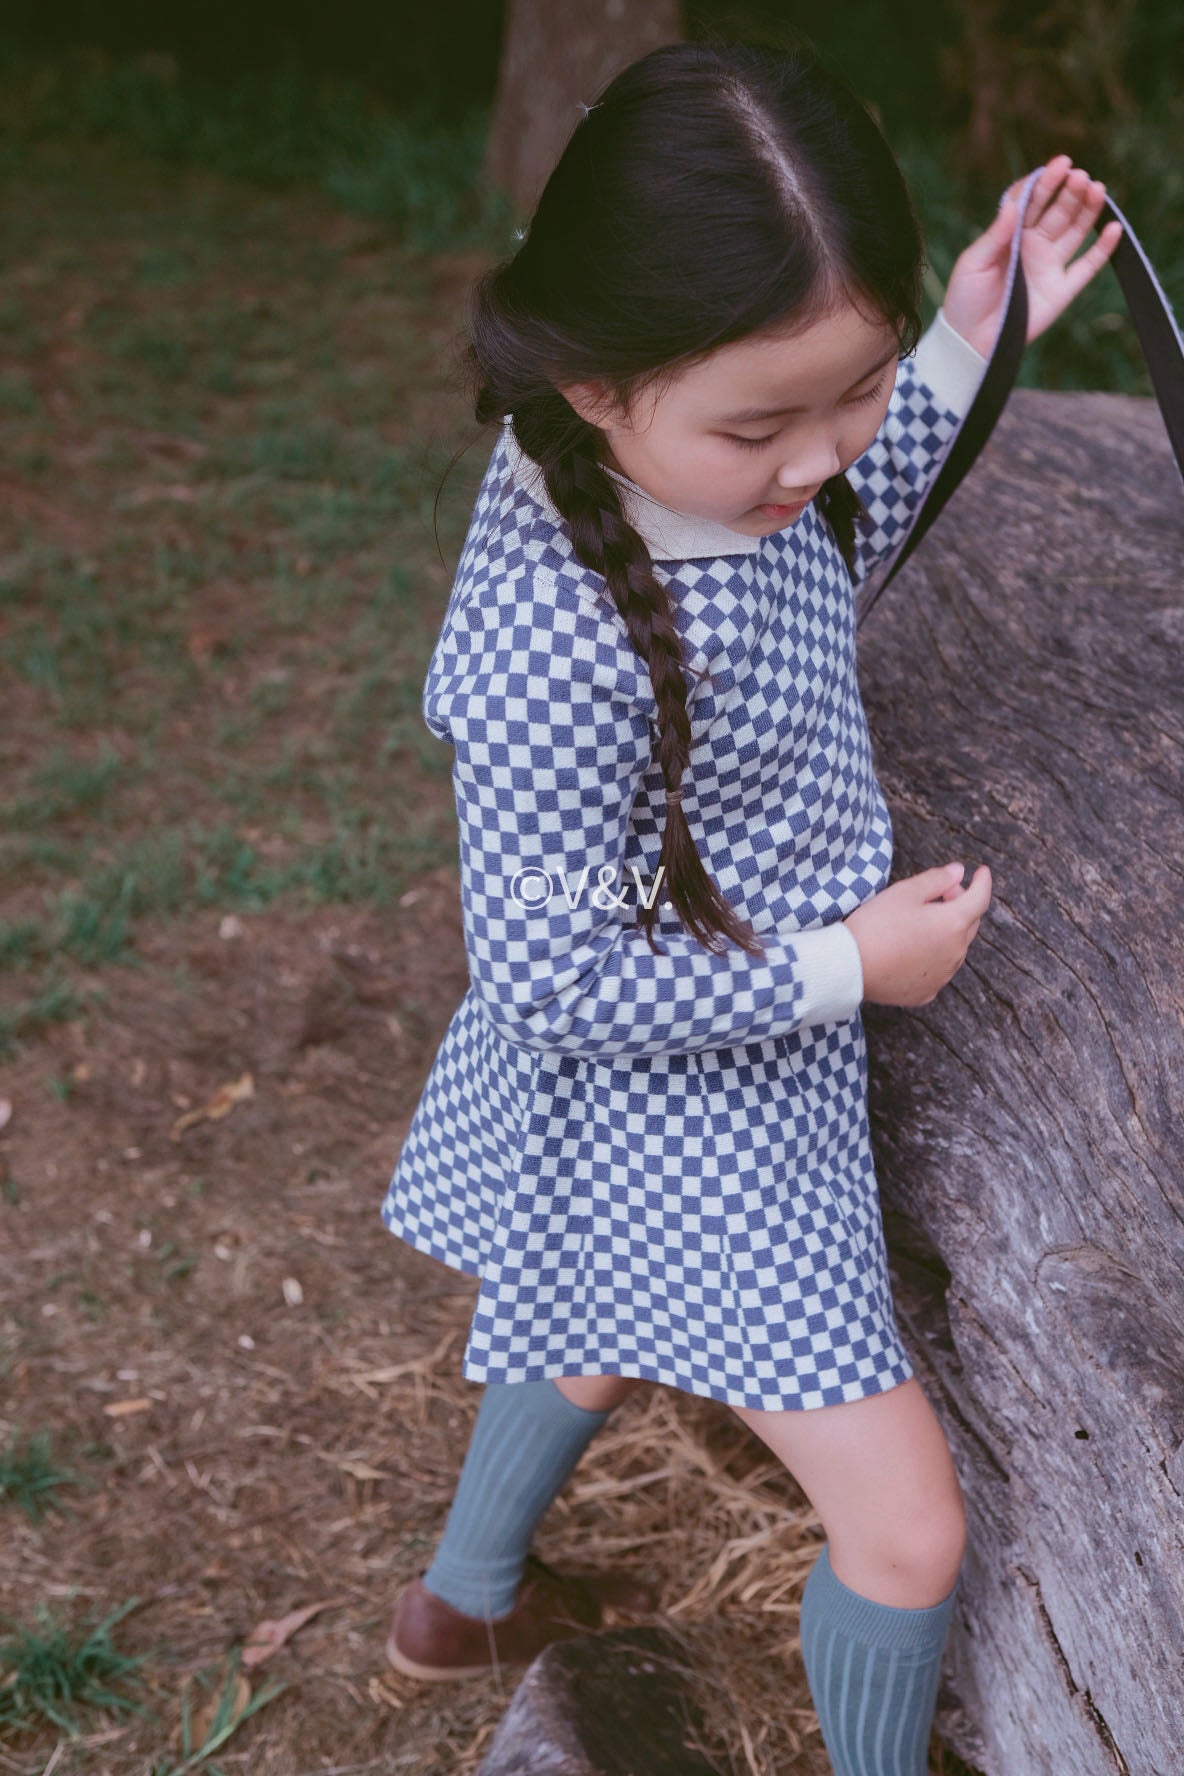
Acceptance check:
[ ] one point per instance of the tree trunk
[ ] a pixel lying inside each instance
(1023, 678)
(553, 57)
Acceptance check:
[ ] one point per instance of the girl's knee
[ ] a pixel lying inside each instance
(597, 1393)
(934, 1540)
(881, 1476)
(912, 1558)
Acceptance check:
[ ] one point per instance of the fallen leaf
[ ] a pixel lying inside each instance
(268, 1636)
(5, 1112)
(222, 1710)
(122, 1408)
(362, 1471)
(221, 1104)
(348, 1464)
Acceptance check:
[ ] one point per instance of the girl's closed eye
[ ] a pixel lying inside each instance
(755, 443)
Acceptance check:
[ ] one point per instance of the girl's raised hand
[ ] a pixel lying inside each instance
(1062, 209)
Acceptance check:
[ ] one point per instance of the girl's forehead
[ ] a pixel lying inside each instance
(809, 366)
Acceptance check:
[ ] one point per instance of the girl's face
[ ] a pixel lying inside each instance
(748, 436)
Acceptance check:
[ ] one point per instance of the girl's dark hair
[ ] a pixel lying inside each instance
(710, 193)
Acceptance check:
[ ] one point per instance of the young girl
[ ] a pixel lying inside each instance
(646, 1127)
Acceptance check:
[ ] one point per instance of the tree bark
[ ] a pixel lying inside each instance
(1023, 679)
(611, 1704)
(552, 58)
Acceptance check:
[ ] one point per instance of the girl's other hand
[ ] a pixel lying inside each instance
(1063, 207)
(913, 936)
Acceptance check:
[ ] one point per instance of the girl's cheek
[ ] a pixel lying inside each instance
(860, 438)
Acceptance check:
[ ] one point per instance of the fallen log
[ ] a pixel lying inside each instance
(612, 1704)
(1024, 683)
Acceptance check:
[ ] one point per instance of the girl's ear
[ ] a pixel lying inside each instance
(591, 400)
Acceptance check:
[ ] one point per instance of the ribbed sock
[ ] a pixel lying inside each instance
(527, 1439)
(873, 1670)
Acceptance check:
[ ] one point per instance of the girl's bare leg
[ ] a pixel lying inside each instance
(597, 1393)
(880, 1475)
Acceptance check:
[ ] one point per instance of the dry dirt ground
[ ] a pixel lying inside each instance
(232, 941)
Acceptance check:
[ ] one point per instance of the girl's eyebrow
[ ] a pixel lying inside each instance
(748, 413)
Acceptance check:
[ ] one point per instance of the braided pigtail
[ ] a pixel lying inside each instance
(604, 540)
(840, 505)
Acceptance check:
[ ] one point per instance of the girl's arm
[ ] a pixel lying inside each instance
(550, 711)
(933, 393)
(935, 387)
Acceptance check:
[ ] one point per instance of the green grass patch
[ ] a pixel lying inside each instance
(48, 1672)
(61, 787)
(29, 1477)
(360, 859)
(56, 1001)
(280, 128)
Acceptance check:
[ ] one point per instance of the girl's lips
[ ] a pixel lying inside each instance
(780, 511)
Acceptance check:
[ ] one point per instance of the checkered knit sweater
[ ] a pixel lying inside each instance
(623, 1144)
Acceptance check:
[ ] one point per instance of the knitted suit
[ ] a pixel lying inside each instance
(659, 1165)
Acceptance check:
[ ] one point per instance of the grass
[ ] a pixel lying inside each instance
(219, 579)
(280, 128)
(28, 1476)
(55, 1001)
(48, 1673)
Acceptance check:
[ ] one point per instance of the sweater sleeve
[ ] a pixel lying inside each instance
(933, 393)
(546, 708)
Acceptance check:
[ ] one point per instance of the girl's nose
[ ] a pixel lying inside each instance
(812, 471)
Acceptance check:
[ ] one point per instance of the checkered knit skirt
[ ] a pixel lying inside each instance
(709, 1220)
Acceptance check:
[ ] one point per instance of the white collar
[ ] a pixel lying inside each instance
(667, 534)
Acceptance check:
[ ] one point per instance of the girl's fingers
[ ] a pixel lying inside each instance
(1067, 208)
(1063, 201)
(1078, 225)
(1046, 187)
(1092, 260)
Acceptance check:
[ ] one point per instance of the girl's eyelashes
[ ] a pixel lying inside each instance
(755, 443)
(749, 443)
(870, 395)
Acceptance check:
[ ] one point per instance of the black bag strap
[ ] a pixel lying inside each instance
(1159, 339)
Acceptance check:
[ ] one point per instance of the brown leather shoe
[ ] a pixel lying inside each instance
(429, 1639)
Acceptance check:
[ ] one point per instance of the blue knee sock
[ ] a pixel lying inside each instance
(527, 1439)
(873, 1670)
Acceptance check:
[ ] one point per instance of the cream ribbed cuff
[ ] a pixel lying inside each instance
(831, 970)
(949, 364)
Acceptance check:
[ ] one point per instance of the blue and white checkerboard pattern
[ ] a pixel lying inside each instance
(660, 1165)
